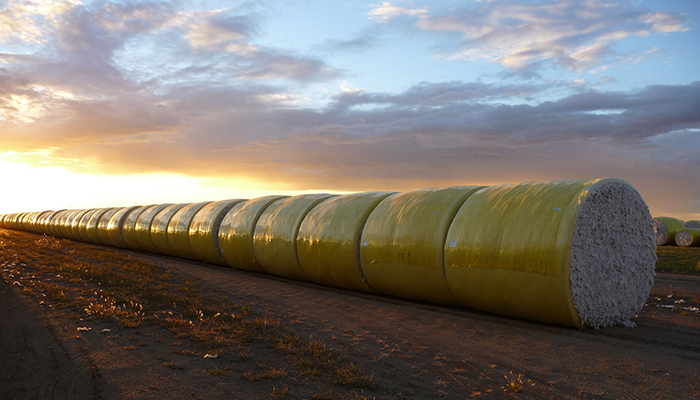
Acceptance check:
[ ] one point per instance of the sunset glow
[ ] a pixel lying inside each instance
(114, 104)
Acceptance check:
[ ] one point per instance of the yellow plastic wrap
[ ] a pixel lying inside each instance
(67, 223)
(75, 225)
(179, 230)
(328, 242)
(60, 223)
(115, 224)
(129, 228)
(103, 226)
(509, 249)
(82, 224)
(40, 225)
(402, 244)
(688, 237)
(204, 231)
(92, 225)
(142, 229)
(236, 232)
(52, 223)
(159, 230)
(666, 230)
(275, 236)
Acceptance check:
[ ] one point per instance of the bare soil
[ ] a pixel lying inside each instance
(411, 350)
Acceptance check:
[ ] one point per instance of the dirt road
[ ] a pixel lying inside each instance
(414, 350)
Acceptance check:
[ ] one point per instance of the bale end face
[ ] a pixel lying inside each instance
(613, 256)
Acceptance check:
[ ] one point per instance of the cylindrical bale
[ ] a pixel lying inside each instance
(142, 229)
(30, 220)
(2, 221)
(204, 231)
(128, 230)
(179, 230)
(402, 243)
(694, 224)
(275, 235)
(328, 243)
(60, 222)
(666, 229)
(113, 230)
(236, 232)
(52, 223)
(576, 253)
(75, 224)
(103, 226)
(92, 226)
(40, 224)
(68, 223)
(688, 238)
(159, 230)
(83, 224)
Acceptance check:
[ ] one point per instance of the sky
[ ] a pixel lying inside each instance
(120, 103)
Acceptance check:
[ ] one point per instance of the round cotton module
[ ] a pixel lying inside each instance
(204, 230)
(576, 253)
(613, 255)
(237, 229)
(328, 242)
(129, 228)
(115, 225)
(688, 238)
(275, 235)
(141, 238)
(178, 230)
(666, 229)
(692, 224)
(159, 230)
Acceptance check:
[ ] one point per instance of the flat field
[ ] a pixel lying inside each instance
(79, 321)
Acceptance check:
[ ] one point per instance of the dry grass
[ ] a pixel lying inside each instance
(678, 260)
(100, 284)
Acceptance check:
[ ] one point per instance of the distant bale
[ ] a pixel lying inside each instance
(688, 238)
(666, 229)
(695, 224)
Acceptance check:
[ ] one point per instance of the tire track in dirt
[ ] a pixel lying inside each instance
(32, 353)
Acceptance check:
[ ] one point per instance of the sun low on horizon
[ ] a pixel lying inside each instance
(114, 104)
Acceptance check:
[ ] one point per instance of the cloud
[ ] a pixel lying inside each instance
(385, 12)
(574, 35)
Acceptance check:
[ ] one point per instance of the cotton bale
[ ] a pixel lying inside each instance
(328, 242)
(179, 230)
(40, 224)
(694, 224)
(204, 231)
(83, 223)
(688, 237)
(92, 226)
(114, 226)
(402, 243)
(576, 253)
(103, 226)
(159, 230)
(237, 229)
(61, 223)
(275, 236)
(129, 228)
(142, 228)
(52, 223)
(75, 224)
(666, 229)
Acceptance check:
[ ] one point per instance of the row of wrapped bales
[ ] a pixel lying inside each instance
(575, 253)
(674, 232)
